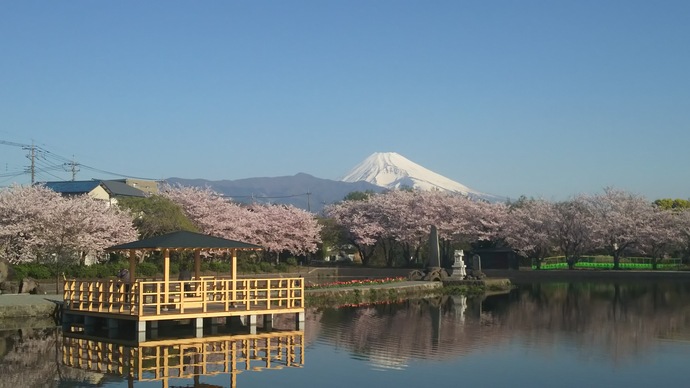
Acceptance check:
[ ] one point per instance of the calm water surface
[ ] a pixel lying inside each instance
(546, 334)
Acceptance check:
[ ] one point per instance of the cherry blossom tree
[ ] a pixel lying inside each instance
(359, 218)
(283, 228)
(661, 235)
(212, 213)
(403, 218)
(573, 228)
(619, 220)
(530, 229)
(20, 206)
(37, 224)
(276, 228)
(683, 225)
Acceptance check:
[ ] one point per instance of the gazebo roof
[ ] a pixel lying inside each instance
(184, 240)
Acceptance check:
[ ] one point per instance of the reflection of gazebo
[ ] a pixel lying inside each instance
(173, 361)
(153, 300)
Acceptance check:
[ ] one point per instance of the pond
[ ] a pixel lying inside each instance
(540, 334)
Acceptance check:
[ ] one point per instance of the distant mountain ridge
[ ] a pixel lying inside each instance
(301, 190)
(379, 172)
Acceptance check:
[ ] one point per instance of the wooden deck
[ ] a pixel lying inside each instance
(206, 297)
(89, 305)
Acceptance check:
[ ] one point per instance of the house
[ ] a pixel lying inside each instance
(108, 190)
(147, 186)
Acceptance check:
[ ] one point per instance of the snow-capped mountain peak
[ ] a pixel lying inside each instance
(393, 171)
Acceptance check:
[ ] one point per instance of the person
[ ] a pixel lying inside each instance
(123, 275)
(186, 275)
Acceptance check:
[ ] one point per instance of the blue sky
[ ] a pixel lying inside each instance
(537, 98)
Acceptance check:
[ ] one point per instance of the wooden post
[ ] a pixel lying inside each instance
(197, 273)
(166, 275)
(233, 274)
(132, 273)
(197, 264)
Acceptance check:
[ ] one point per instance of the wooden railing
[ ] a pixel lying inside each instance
(207, 294)
(185, 358)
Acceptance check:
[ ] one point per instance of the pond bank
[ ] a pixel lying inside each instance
(579, 275)
(18, 306)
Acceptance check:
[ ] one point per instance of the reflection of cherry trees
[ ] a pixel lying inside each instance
(615, 321)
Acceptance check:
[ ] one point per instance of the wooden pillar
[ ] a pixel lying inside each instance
(132, 265)
(166, 274)
(197, 264)
(132, 275)
(233, 273)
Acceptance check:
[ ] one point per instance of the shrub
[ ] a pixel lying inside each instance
(265, 267)
(244, 266)
(147, 269)
(219, 266)
(33, 270)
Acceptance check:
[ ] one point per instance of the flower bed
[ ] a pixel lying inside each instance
(355, 283)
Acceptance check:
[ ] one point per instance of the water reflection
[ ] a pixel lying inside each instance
(610, 320)
(188, 358)
(608, 329)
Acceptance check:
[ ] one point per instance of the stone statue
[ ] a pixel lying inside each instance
(459, 267)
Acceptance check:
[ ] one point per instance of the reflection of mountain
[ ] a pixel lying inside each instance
(612, 320)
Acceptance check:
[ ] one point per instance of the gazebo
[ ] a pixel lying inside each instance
(153, 300)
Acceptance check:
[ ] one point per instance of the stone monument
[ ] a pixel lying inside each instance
(459, 267)
(433, 271)
(476, 272)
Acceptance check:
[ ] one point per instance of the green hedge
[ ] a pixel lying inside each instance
(622, 265)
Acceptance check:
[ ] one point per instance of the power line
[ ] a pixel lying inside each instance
(37, 154)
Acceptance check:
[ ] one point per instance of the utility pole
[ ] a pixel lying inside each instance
(308, 201)
(32, 157)
(72, 166)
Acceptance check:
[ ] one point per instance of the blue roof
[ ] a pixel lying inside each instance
(73, 187)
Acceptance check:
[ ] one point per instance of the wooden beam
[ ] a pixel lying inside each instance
(197, 264)
(132, 265)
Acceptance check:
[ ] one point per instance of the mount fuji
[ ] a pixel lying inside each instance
(393, 171)
(379, 172)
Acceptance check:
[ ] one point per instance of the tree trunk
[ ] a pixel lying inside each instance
(616, 260)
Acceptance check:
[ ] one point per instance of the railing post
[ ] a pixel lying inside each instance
(268, 294)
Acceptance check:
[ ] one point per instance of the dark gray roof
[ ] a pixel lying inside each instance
(114, 188)
(185, 240)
